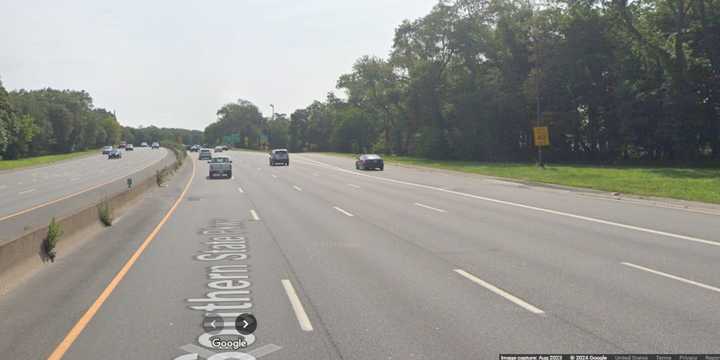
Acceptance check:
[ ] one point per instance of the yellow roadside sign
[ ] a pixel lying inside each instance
(541, 136)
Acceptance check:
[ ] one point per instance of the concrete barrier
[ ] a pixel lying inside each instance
(26, 253)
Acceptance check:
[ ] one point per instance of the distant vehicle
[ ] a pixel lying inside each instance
(195, 148)
(122, 145)
(129, 147)
(143, 144)
(225, 147)
(220, 166)
(115, 154)
(369, 162)
(218, 149)
(205, 154)
(106, 150)
(279, 156)
(155, 145)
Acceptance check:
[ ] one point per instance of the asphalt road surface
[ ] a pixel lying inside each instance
(407, 263)
(22, 191)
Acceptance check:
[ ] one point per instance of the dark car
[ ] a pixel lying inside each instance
(369, 162)
(279, 156)
(115, 154)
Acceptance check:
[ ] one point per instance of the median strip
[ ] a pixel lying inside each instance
(297, 306)
(674, 277)
(510, 297)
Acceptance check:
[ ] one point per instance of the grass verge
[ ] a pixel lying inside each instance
(42, 160)
(685, 183)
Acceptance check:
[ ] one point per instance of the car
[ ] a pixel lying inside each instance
(218, 149)
(204, 154)
(225, 147)
(195, 148)
(279, 156)
(369, 162)
(115, 154)
(129, 147)
(220, 166)
(106, 150)
(155, 145)
(143, 144)
(122, 145)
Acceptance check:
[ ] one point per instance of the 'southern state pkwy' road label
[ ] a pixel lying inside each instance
(229, 295)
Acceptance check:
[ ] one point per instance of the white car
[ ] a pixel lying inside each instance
(220, 166)
(107, 150)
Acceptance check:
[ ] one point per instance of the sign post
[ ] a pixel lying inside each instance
(541, 137)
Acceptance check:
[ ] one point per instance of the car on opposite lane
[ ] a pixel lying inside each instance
(220, 166)
(129, 147)
(115, 154)
(369, 162)
(106, 150)
(143, 144)
(204, 154)
(155, 145)
(279, 156)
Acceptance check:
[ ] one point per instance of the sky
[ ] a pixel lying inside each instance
(175, 63)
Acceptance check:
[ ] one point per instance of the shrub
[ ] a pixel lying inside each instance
(105, 213)
(54, 232)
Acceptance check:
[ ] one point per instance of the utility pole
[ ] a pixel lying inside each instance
(538, 77)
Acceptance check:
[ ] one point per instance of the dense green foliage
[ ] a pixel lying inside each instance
(613, 80)
(48, 121)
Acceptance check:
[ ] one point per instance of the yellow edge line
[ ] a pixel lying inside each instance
(76, 330)
(72, 195)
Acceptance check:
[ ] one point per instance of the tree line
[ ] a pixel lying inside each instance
(49, 121)
(613, 80)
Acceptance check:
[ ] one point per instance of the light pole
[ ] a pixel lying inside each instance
(272, 118)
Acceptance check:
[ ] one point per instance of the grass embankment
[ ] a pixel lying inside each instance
(685, 183)
(42, 160)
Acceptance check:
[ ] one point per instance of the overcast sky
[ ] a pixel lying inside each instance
(174, 63)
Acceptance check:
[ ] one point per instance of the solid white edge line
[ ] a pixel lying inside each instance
(297, 188)
(342, 211)
(528, 207)
(254, 215)
(510, 297)
(241, 190)
(430, 207)
(297, 306)
(674, 277)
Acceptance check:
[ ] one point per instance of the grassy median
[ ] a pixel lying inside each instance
(686, 183)
(42, 160)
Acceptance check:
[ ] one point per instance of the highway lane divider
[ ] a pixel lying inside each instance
(673, 277)
(24, 253)
(498, 291)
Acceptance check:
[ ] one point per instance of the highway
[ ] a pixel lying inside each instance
(26, 190)
(407, 263)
